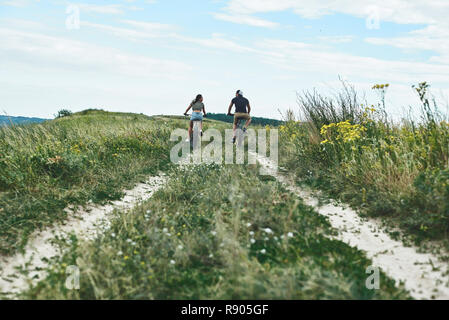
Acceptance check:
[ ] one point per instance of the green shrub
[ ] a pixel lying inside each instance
(63, 113)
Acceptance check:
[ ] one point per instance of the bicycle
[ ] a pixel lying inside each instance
(241, 130)
(196, 130)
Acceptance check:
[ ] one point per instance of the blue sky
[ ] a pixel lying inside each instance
(154, 56)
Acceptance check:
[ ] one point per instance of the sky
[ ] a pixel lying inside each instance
(154, 56)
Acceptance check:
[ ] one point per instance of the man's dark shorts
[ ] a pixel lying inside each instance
(240, 115)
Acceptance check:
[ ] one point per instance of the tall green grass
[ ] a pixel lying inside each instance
(90, 156)
(357, 153)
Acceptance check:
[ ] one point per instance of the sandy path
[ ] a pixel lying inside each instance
(86, 224)
(424, 276)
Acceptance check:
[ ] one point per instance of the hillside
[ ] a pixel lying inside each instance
(90, 156)
(254, 120)
(205, 231)
(7, 120)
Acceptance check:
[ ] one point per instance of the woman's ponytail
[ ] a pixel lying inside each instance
(198, 98)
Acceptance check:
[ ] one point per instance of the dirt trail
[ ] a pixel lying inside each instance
(86, 224)
(423, 274)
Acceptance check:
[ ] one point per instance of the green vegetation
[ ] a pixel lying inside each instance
(254, 120)
(356, 153)
(215, 232)
(91, 156)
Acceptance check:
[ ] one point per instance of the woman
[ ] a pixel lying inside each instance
(197, 106)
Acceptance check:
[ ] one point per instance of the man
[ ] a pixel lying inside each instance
(242, 110)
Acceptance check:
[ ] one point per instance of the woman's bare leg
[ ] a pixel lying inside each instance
(190, 130)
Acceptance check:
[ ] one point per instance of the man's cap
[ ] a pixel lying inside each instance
(240, 92)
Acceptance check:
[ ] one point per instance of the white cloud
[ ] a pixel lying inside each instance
(104, 9)
(147, 30)
(432, 38)
(129, 34)
(298, 57)
(22, 24)
(149, 26)
(283, 46)
(399, 11)
(245, 19)
(254, 6)
(337, 39)
(19, 3)
(433, 14)
(302, 57)
(30, 48)
(216, 42)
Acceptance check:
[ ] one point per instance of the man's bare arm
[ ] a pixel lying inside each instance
(230, 107)
(249, 108)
